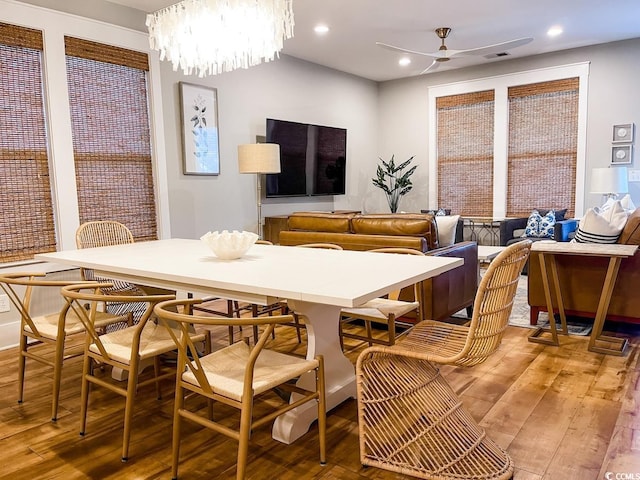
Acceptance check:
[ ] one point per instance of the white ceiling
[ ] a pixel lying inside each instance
(355, 26)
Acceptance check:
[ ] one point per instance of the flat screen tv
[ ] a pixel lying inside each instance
(312, 159)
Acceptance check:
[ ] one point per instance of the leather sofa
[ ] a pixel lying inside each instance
(442, 296)
(581, 279)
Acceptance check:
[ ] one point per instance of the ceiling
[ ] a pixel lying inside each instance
(355, 26)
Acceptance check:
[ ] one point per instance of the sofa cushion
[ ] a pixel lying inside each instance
(631, 233)
(603, 227)
(320, 222)
(559, 213)
(398, 224)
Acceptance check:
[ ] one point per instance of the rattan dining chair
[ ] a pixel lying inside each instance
(102, 234)
(128, 349)
(53, 329)
(387, 311)
(236, 375)
(410, 420)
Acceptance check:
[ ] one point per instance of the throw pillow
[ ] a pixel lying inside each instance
(604, 227)
(539, 226)
(447, 226)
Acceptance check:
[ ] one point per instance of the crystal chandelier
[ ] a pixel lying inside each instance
(214, 36)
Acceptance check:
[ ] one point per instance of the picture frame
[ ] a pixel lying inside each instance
(621, 154)
(199, 121)
(623, 133)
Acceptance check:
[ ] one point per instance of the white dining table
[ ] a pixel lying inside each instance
(316, 283)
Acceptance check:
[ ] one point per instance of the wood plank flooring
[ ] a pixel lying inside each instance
(561, 413)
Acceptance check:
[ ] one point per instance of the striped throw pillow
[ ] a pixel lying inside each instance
(603, 227)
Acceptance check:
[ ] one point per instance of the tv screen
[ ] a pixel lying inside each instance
(312, 159)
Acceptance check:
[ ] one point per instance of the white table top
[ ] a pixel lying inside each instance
(489, 252)
(266, 272)
(590, 249)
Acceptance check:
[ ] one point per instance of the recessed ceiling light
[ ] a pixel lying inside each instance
(554, 31)
(404, 61)
(321, 29)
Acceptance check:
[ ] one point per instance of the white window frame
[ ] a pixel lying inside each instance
(500, 84)
(55, 25)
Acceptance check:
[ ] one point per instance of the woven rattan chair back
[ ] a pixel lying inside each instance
(102, 234)
(469, 345)
(328, 246)
(235, 375)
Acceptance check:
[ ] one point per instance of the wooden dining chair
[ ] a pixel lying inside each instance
(410, 420)
(237, 375)
(387, 311)
(53, 329)
(128, 349)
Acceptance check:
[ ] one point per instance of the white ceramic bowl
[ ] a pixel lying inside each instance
(229, 245)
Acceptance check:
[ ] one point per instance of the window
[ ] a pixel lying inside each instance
(522, 150)
(543, 142)
(465, 152)
(111, 135)
(26, 207)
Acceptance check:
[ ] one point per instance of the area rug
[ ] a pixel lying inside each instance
(520, 314)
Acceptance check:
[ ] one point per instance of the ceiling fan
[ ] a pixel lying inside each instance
(444, 54)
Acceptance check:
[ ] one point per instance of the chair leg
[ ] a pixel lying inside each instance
(367, 324)
(132, 382)
(22, 366)
(175, 444)
(57, 374)
(245, 434)
(322, 411)
(84, 395)
(296, 321)
(156, 371)
(392, 329)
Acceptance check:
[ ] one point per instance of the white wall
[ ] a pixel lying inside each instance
(613, 98)
(286, 89)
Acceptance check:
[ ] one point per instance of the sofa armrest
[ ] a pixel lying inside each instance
(508, 226)
(563, 229)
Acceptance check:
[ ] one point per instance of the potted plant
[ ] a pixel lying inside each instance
(394, 180)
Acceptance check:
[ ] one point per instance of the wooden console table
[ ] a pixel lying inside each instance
(548, 251)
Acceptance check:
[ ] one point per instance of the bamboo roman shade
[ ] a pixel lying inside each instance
(26, 209)
(543, 142)
(111, 135)
(465, 153)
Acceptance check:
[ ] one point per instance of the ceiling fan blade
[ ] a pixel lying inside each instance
(496, 48)
(434, 66)
(404, 50)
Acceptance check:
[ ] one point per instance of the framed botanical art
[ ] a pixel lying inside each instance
(199, 120)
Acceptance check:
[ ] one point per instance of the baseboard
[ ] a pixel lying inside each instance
(9, 336)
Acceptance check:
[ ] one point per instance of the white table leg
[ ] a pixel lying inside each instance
(322, 339)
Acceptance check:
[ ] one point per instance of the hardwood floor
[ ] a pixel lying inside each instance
(561, 413)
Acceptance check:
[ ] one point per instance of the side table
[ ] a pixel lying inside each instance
(548, 251)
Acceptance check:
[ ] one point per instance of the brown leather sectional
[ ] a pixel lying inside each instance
(443, 295)
(581, 279)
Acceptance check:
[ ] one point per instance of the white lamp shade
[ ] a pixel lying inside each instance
(259, 158)
(609, 180)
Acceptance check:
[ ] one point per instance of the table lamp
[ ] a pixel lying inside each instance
(259, 158)
(609, 181)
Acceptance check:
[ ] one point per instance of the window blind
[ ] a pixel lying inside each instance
(26, 207)
(111, 135)
(543, 142)
(465, 153)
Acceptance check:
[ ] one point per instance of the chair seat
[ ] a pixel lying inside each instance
(381, 308)
(47, 325)
(225, 370)
(154, 340)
